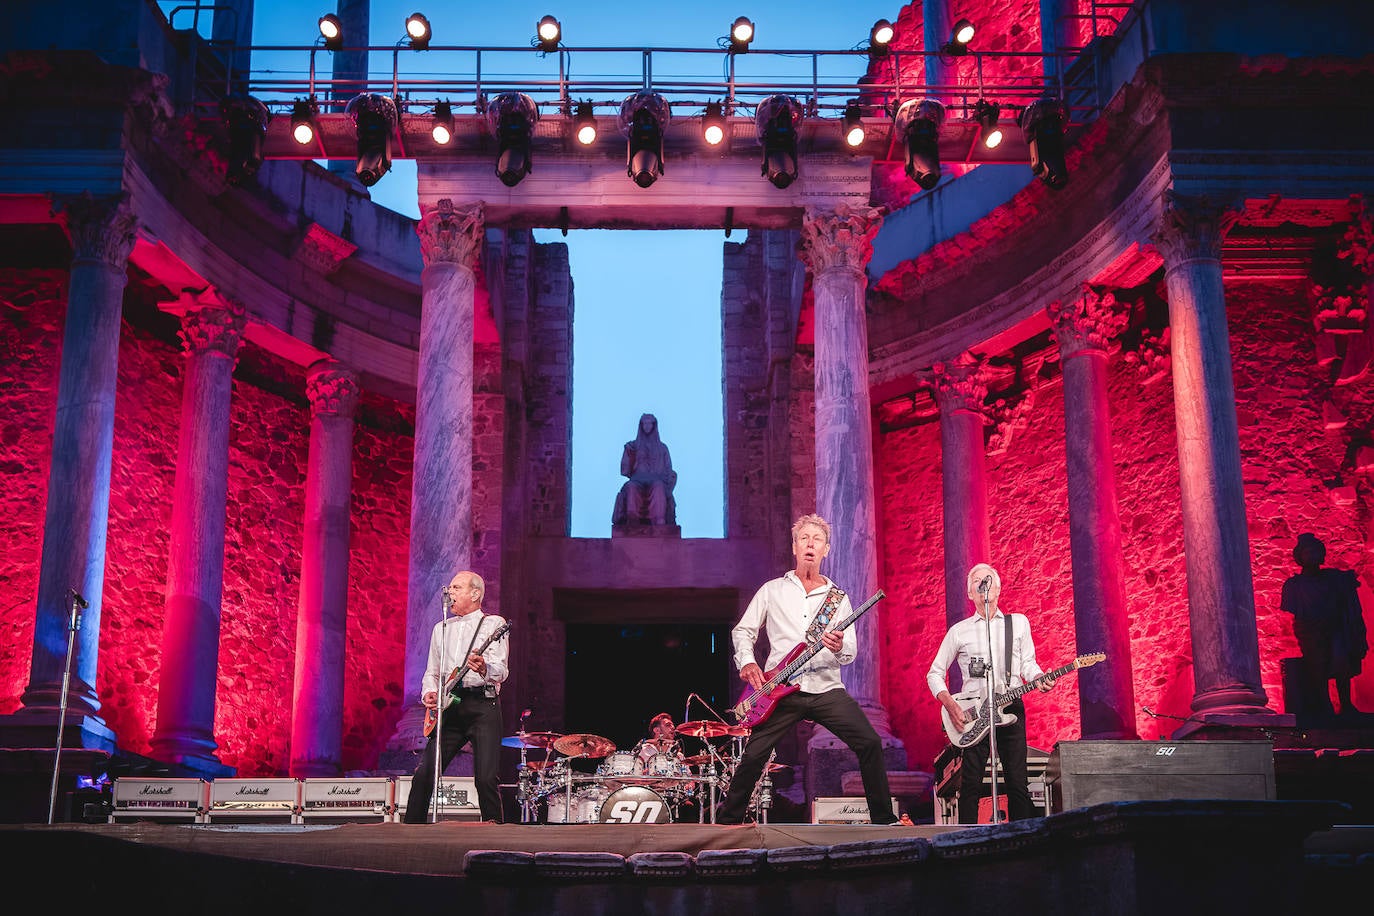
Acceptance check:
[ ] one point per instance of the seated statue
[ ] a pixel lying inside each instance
(647, 497)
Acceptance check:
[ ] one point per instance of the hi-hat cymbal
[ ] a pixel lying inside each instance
(738, 731)
(697, 760)
(531, 739)
(704, 729)
(774, 767)
(584, 745)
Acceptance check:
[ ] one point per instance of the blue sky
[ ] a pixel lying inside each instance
(645, 340)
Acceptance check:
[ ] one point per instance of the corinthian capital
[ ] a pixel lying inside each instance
(1088, 322)
(214, 328)
(449, 234)
(101, 228)
(842, 237)
(961, 384)
(332, 389)
(1193, 227)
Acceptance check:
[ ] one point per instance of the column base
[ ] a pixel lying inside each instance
(38, 729)
(828, 759)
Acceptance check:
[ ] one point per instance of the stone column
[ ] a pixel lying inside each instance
(1221, 599)
(317, 700)
(73, 555)
(441, 493)
(960, 389)
(211, 333)
(836, 246)
(937, 22)
(350, 68)
(1083, 329)
(1056, 34)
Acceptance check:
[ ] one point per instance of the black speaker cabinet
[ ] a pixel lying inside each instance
(1083, 773)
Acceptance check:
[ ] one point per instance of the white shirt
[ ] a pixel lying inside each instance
(449, 647)
(968, 639)
(785, 609)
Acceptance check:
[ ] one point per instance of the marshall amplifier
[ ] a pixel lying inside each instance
(260, 801)
(367, 799)
(846, 809)
(1083, 773)
(457, 798)
(184, 800)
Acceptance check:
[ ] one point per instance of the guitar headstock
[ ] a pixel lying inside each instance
(1087, 661)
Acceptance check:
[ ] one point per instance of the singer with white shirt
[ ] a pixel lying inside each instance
(966, 643)
(473, 711)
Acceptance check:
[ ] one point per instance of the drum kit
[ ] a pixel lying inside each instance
(648, 784)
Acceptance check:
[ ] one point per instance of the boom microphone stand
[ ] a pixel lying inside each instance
(983, 588)
(712, 781)
(73, 624)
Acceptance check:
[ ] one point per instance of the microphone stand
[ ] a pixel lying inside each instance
(715, 757)
(992, 704)
(439, 699)
(73, 624)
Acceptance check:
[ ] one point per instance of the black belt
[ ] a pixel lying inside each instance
(472, 693)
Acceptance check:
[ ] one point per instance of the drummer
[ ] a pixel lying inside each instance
(662, 739)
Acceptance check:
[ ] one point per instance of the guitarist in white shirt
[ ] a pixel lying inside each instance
(786, 607)
(966, 643)
(476, 714)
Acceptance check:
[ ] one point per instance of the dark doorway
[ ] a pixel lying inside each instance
(621, 675)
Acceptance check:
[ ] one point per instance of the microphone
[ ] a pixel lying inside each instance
(1150, 712)
(448, 598)
(76, 596)
(985, 585)
(526, 714)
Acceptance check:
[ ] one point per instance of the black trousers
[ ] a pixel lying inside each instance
(1011, 764)
(835, 710)
(473, 718)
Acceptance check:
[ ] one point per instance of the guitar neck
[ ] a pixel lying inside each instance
(1017, 692)
(813, 648)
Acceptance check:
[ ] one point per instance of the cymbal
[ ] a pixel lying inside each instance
(704, 729)
(774, 767)
(738, 731)
(697, 760)
(539, 764)
(531, 739)
(584, 745)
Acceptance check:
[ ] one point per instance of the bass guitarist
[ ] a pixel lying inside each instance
(799, 608)
(966, 643)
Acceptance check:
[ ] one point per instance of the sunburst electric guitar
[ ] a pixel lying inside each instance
(757, 705)
(432, 715)
(975, 704)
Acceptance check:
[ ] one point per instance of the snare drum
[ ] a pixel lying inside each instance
(583, 808)
(621, 763)
(665, 765)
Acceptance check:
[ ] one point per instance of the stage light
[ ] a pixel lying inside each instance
(880, 36)
(986, 114)
(511, 116)
(918, 124)
(442, 127)
(776, 122)
(741, 35)
(245, 120)
(417, 28)
(644, 119)
(548, 34)
(374, 115)
(585, 125)
(1042, 122)
(853, 125)
(303, 121)
(331, 31)
(959, 37)
(713, 124)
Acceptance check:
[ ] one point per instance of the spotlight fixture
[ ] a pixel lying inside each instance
(548, 34)
(918, 124)
(644, 119)
(442, 127)
(375, 117)
(776, 122)
(713, 124)
(853, 125)
(303, 121)
(741, 35)
(331, 31)
(986, 114)
(417, 29)
(879, 37)
(959, 37)
(245, 120)
(585, 124)
(511, 117)
(1042, 122)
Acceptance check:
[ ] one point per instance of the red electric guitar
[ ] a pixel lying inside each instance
(757, 705)
(432, 715)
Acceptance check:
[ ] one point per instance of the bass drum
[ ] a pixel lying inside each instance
(584, 807)
(635, 805)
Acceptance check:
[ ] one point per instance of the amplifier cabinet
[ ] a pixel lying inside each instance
(359, 799)
(457, 798)
(842, 809)
(184, 800)
(1083, 773)
(255, 800)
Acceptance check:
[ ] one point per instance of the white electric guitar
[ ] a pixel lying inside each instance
(975, 704)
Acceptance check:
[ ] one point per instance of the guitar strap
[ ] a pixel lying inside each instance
(1006, 645)
(822, 618)
(463, 660)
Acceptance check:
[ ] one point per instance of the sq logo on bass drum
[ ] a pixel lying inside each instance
(635, 805)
